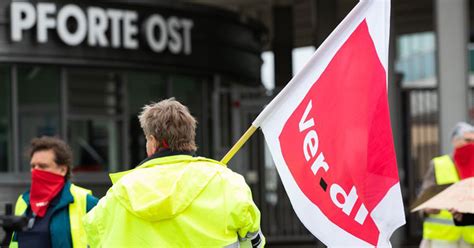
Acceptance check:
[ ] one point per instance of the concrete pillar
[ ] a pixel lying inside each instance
(282, 44)
(452, 39)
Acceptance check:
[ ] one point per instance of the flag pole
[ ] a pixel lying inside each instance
(239, 144)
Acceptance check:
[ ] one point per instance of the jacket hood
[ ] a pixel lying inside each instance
(162, 188)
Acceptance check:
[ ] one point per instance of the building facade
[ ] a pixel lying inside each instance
(83, 70)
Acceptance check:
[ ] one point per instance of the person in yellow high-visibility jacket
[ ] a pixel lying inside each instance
(173, 199)
(439, 230)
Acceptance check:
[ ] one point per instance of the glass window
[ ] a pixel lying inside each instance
(95, 120)
(95, 144)
(300, 57)
(38, 105)
(189, 91)
(5, 159)
(416, 59)
(143, 88)
(267, 70)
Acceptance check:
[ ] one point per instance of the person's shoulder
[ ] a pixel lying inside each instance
(206, 163)
(205, 160)
(441, 157)
(222, 169)
(78, 189)
(24, 197)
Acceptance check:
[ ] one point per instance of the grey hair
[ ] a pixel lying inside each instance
(460, 129)
(170, 120)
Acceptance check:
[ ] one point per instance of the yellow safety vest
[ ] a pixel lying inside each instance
(175, 201)
(441, 226)
(77, 210)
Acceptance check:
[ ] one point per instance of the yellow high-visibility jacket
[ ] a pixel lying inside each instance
(175, 201)
(441, 226)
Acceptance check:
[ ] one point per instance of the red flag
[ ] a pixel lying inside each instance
(351, 135)
(330, 136)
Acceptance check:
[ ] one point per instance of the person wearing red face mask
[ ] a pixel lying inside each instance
(439, 230)
(54, 206)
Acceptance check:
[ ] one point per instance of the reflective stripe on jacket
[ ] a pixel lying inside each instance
(77, 210)
(174, 201)
(441, 226)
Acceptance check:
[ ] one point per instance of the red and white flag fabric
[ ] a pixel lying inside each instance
(330, 137)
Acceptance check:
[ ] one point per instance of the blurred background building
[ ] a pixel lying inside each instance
(82, 71)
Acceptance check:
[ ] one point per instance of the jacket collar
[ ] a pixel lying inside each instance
(165, 152)
(162, 156)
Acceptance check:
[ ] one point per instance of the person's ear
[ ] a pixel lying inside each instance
(151, 145)
(63, 170)
(153, 141)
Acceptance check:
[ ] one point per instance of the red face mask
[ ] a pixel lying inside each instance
(44, 187)
(464, 160)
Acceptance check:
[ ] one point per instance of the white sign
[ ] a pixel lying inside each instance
(99, 27)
